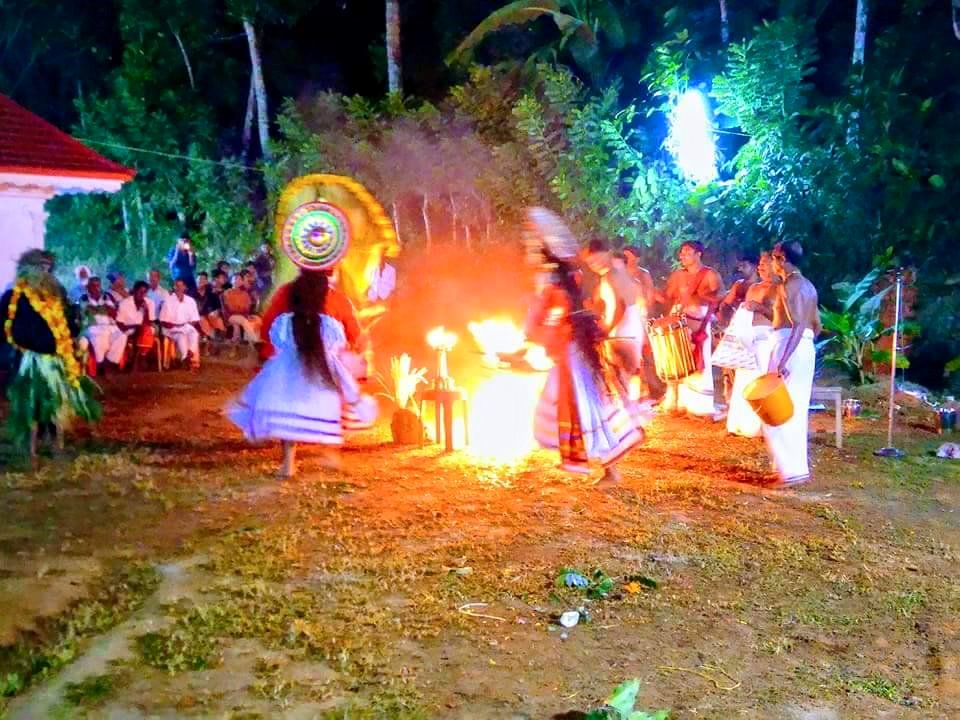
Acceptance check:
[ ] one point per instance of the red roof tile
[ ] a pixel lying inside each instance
(29, 144)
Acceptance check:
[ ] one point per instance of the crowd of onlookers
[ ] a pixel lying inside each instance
(169, 314)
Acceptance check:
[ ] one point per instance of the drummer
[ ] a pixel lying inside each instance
(621, 316)
(694, 290)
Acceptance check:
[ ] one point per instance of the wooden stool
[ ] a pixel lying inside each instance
(443, 401)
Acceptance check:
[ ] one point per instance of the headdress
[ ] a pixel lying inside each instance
(545, 229)
(318, 216)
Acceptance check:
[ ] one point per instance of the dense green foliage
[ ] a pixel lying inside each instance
(573, 115)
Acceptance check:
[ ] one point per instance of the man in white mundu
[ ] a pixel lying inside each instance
(107, 341)
(752, 326)
(180, 320)
(621, 316)
(796, 323)
(695, 290)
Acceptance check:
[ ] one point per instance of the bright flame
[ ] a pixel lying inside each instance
(609, 299)
(691, 139)
(537, 358)
(440, 339)
(502, 407)
(497, 336)
(501, 417)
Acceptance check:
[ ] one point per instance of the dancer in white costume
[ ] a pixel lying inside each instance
(695, 290)
(582, 412)
(304, 393)
(796, 323)
(751, 323)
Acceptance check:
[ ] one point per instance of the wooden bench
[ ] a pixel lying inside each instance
(821, 394)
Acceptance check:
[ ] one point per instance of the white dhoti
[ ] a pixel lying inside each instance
(107, 342)
(741, 419)
(186, 338)
(627, 349)
(249, 327)
(694, 394)
(787, 443)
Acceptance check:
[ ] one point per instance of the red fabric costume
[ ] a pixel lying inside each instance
(338, 306)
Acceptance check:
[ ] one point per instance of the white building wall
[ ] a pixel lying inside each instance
(23, 222)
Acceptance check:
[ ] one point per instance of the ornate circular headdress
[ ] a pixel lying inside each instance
(545, 229)
(316, 235)
(331, 220)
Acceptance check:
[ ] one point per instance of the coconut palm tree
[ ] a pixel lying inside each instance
(394, 77)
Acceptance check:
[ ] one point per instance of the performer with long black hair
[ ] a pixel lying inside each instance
(582, 412)
(304, 393)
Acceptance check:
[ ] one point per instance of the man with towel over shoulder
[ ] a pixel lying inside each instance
(796, 323)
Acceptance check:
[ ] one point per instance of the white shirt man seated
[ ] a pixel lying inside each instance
(107, 341)
(180, 320)
(156, 292)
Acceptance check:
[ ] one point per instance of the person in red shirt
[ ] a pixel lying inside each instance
(337, 306)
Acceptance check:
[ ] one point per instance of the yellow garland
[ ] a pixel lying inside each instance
(51, 310)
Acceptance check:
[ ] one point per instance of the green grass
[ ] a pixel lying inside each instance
(62, 638)
(875, 685)
(92, 691)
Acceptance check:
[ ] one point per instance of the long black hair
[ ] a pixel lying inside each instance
(586, 330)
(308, 296)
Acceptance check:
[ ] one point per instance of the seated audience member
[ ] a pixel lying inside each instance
(156, 292)
(107, 341)
(211, 306)
(82, 273)
(118, 287)
(135, 318)
(180, 320)
(238, 309)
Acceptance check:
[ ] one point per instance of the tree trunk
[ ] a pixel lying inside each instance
(186, 58)
(467, 236)
(260, 90)
(857, 68)
(454, 216)
(956, 18)
(144, 236)
(426, 221)
(248, 120)
(394, 76)
(126, 224)
(860, 36)
(724, 23)
(395, 215)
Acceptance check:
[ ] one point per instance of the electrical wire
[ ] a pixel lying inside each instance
(175, 156)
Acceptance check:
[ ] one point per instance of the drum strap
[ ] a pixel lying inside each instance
(699, 337)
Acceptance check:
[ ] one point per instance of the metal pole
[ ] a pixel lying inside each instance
(890, 450)
(893, 359)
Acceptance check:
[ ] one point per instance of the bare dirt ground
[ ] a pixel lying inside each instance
(158, 569)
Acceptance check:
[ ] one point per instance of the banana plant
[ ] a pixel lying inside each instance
(854, 330)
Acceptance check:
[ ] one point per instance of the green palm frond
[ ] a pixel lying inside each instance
(404, 379)
(519, 13)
